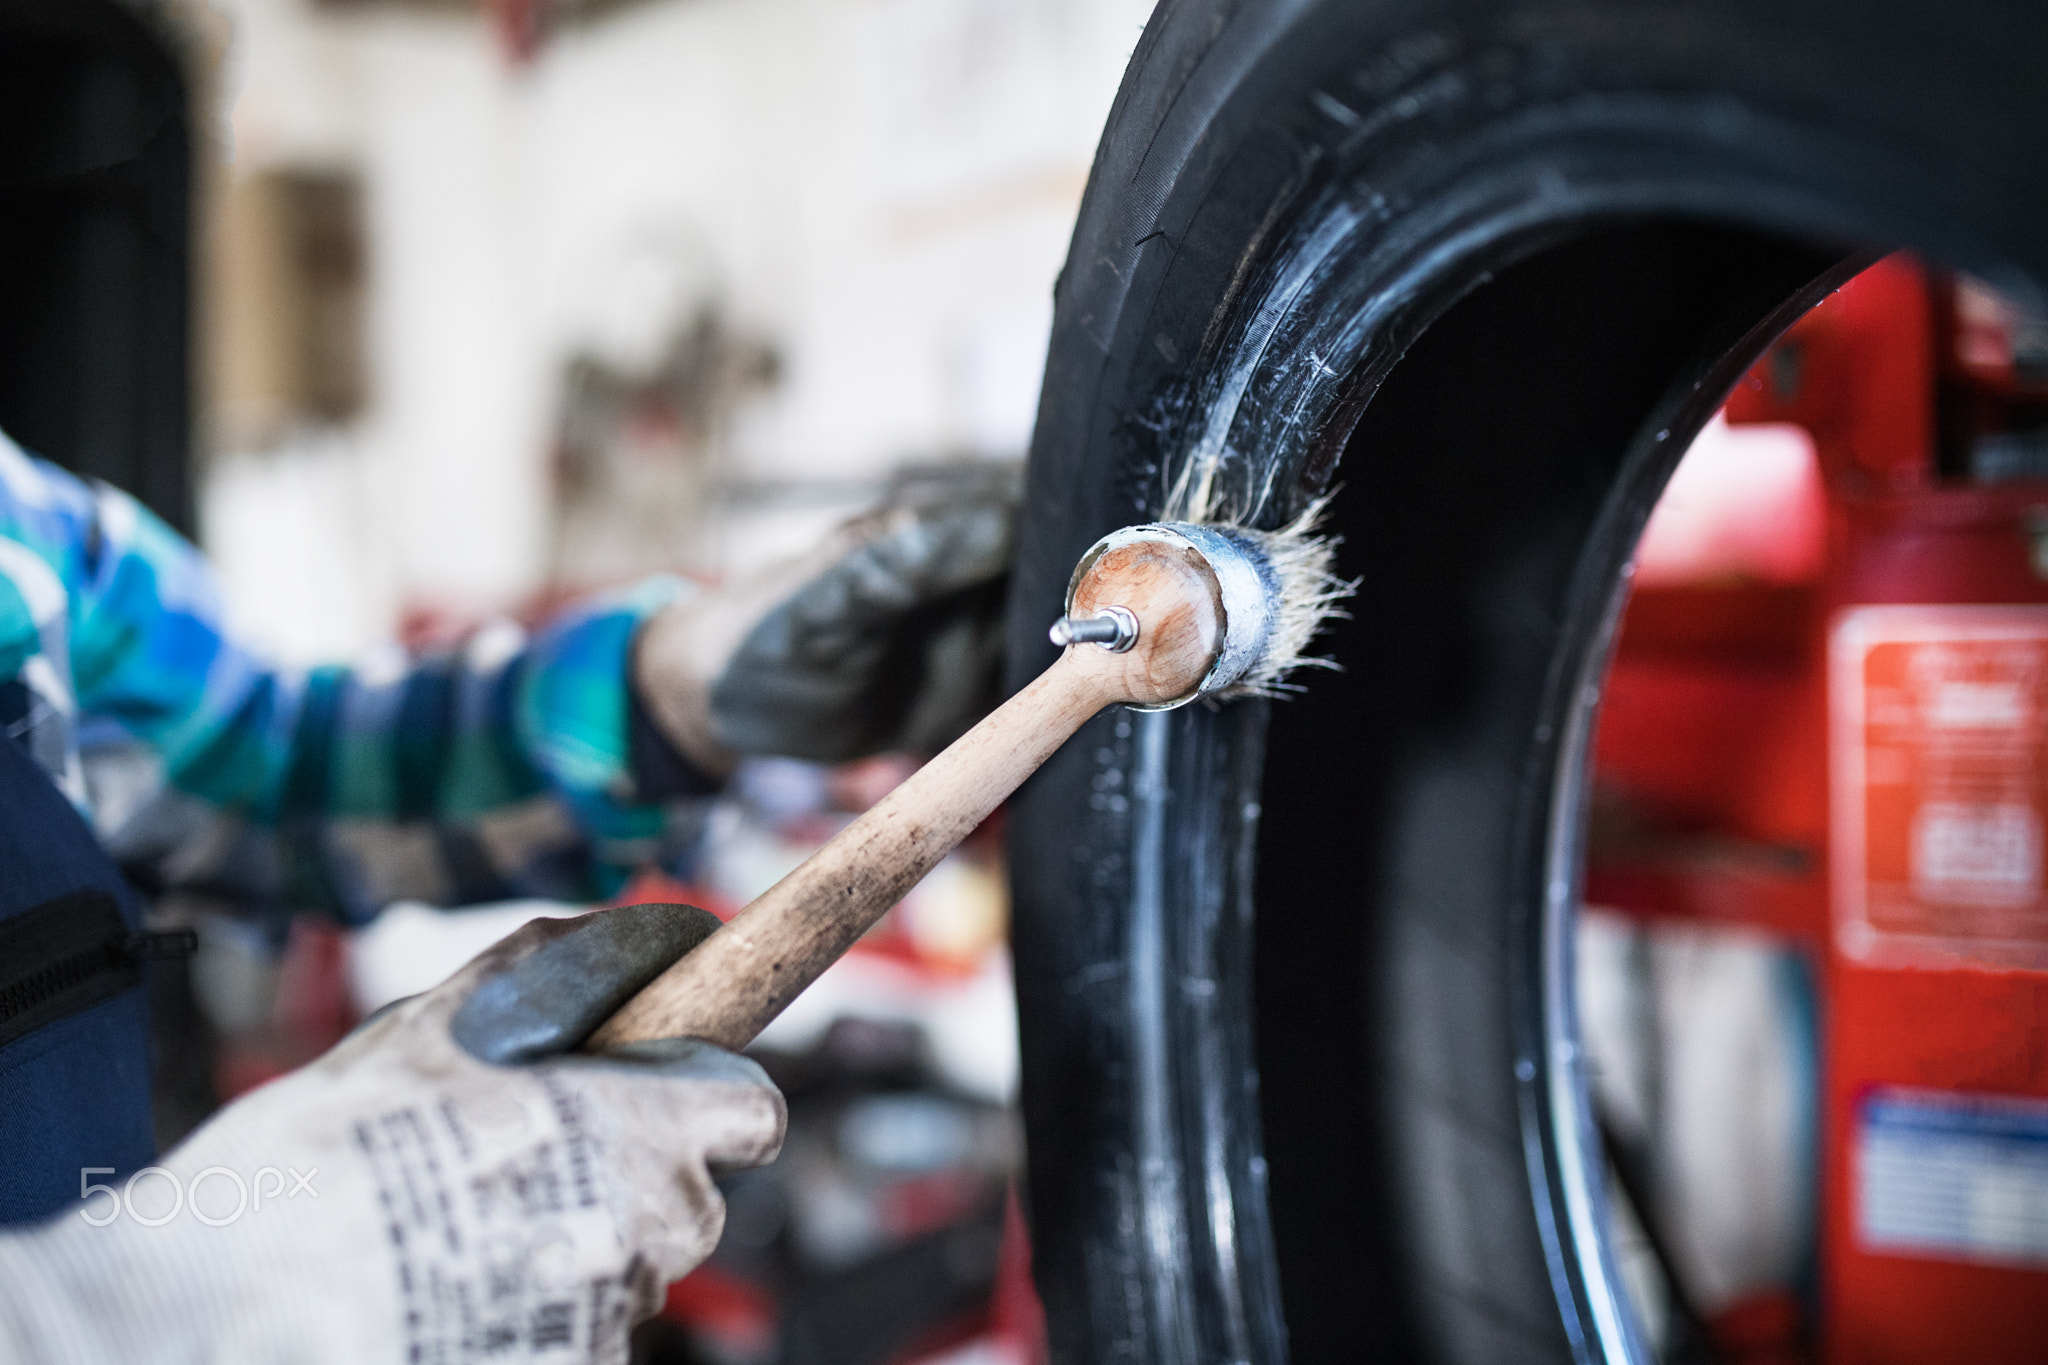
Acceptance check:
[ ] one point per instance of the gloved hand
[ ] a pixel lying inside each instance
(451, 1183)
(887, 636)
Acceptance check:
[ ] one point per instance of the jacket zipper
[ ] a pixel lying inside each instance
(115, 955)
(71, 953)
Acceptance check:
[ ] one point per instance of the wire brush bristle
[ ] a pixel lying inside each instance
(1307, 596)
(1308, 592)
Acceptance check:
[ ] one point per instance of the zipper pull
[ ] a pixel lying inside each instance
(157, 945)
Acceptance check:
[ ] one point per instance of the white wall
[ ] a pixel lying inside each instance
(885, 188)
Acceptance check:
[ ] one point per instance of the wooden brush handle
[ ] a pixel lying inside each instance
(728, 988)
(732, 984)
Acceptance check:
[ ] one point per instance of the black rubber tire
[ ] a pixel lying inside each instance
(1502, 260)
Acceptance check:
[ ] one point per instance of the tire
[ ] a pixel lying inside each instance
(1299, 1061)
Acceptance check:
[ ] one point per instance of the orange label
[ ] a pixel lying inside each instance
(1939, 751)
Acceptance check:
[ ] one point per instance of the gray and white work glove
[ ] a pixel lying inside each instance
(451, 1183)
(886, 637)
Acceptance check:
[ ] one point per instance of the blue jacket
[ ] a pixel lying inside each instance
(74, 1018)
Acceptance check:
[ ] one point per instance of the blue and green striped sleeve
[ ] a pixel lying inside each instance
(500, 768)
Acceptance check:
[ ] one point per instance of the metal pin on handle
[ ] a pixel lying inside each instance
(1116, 630)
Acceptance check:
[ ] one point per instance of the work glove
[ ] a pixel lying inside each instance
(885, 637)
(451, 1183)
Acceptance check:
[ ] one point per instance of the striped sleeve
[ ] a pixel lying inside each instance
(502, 768)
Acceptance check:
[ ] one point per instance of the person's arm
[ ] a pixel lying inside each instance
(513, 766)
(503, 768)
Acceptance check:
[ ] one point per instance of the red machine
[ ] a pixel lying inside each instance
(1837, 733)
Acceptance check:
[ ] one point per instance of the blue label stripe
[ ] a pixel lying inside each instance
(1953, 1176)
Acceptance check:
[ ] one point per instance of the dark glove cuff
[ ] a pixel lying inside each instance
(660, 772)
